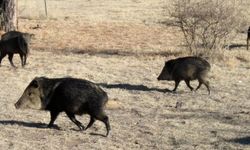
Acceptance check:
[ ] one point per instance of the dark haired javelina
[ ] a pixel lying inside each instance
(187, 69)
(16, 45)
(69, 95)
(24, 46)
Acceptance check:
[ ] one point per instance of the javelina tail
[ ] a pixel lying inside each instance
(105, 99)
(23, 45)
(205, 65)
(208, 66)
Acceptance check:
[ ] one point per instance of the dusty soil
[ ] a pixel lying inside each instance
(125, 57)
(141, 115)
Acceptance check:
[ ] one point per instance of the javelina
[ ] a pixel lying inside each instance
(69, 95)
(13, 34)
(187, 69)
(14, 45)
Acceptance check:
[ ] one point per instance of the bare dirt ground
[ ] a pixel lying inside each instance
(125, 57)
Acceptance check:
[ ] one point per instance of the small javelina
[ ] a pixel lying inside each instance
(69, 95)
(187, 69)
(12, 46)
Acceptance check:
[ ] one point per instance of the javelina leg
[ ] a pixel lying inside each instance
(188, 84)
(104, 118)
(53, 116)
(10, 59)
(73, 119)
(200, 83)
(22, 60)
(206, 83)
(1, 59)
(247, 43)
(176, 85)
(25, 58)
(92, 120)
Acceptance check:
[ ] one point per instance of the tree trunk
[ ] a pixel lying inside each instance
(9, 15)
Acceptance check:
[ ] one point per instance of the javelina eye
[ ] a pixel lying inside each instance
(29, 93)
(34, 84)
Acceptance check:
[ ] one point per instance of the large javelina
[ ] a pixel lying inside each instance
(12, 46)
(69, 95)
(187, 69)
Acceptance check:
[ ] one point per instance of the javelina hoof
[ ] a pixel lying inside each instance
(166, 90)
(53, 127)
(81, 128)
(174, 92)
(178, 105)
(15, 67)
(107, 134)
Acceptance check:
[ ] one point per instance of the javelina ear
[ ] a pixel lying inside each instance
(34, 84)
(48, 97)
(37, 82)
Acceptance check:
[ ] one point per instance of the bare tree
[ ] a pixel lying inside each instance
(9, 15)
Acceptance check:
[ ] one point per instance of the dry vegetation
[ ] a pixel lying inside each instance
(121, 46)
(207, 25)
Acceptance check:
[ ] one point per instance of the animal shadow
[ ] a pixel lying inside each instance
(233, 46)
(26, 124)
(242, 140)
(97, 134)
(127, 86)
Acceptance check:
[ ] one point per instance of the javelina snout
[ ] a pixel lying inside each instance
(69, 95)
(160, 77)
(164, 75)
(31, 97)
(17, 105)
(187, 69)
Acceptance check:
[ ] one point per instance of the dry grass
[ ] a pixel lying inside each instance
(104, 36)
(125, 57)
